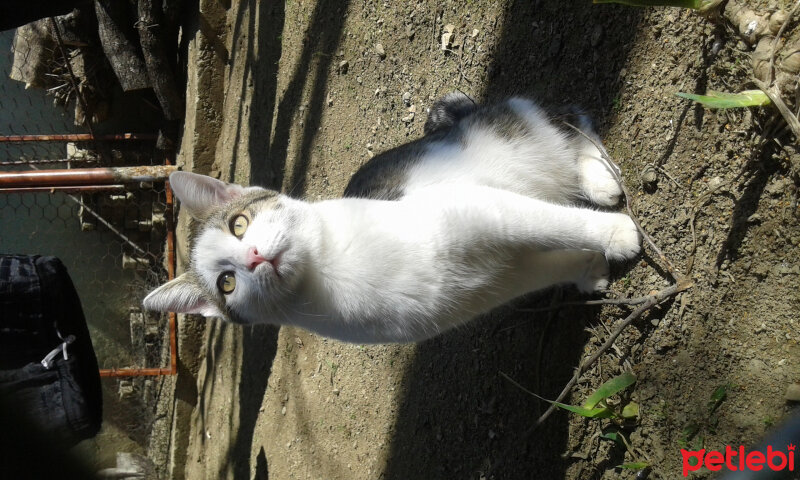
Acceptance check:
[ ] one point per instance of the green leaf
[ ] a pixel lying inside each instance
(630, 410)
(634, 465)
(747, 98)
(719, 396)
(599, 412)
(613, 436)
(702, 5)
(688, 433)
(616, 384)
(617, 437)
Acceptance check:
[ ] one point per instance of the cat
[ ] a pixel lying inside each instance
(482, 209)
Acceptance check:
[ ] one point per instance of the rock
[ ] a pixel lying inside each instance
(407, 98)
(408, 118)
(793, 392)
(778, 187)
(649, 176)
(344, 65)
(715, 183)
(447, 36)
(380, 51)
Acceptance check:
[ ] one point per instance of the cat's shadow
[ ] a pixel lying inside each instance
(460, 418)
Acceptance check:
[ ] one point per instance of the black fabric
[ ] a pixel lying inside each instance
(15, 13)
(37, 303)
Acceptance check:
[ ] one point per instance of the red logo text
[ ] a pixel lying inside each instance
(736, 459)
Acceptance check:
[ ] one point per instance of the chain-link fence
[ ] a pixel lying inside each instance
(110, 235)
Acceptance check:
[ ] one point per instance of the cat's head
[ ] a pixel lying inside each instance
(247, 255)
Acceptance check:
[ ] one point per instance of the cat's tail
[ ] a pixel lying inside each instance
(448, 110)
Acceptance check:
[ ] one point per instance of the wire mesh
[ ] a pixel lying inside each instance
(111, 240)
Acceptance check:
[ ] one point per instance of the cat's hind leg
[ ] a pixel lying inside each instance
(448, 110)
(597, 182)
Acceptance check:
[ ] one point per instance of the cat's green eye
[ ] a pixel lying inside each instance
(226, 282)
(239, 225)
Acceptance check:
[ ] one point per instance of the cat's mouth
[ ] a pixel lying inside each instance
(272, 265)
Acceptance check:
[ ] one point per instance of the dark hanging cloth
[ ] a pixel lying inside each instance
(15, 13)
(41, 318)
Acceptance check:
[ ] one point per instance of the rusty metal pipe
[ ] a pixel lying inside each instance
(66, 189)
(77, 137)
(85, 176)
(173, 318)
(135, 372)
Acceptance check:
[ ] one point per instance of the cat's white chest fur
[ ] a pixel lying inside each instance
(481, 213)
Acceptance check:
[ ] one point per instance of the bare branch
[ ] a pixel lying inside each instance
(786, 113)
(652, 300)
(615, 171)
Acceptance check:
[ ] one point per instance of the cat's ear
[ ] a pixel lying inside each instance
(199, 193)
(181, 295)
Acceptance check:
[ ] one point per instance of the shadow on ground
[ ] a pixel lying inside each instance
(306, 89)
(460, 418)
(262, 23)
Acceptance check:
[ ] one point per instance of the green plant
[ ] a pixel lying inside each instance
(692, 434)
(712, 99)
(597, 406)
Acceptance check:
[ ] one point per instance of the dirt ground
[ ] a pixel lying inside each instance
(310, 90)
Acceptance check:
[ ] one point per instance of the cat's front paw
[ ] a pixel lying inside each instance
(595, 277)
(624, 241)
(598, 183)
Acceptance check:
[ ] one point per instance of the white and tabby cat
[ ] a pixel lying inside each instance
(477, 212)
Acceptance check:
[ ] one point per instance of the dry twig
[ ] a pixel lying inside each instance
(644, 303)
(651, 301)
(615, 171)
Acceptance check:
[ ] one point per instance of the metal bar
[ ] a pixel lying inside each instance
(65, 189)
(173, 338)
(121, 235)
(46, 162)
(77, 137)
(85, 176)
(135, 372)
(173, 318)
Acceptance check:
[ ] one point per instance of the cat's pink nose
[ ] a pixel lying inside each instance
(253, 258)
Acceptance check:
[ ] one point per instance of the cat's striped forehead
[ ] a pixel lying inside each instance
(250, 203)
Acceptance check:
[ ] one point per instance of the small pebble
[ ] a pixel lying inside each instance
(344, 65)
(380, 51)
(649, 176)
